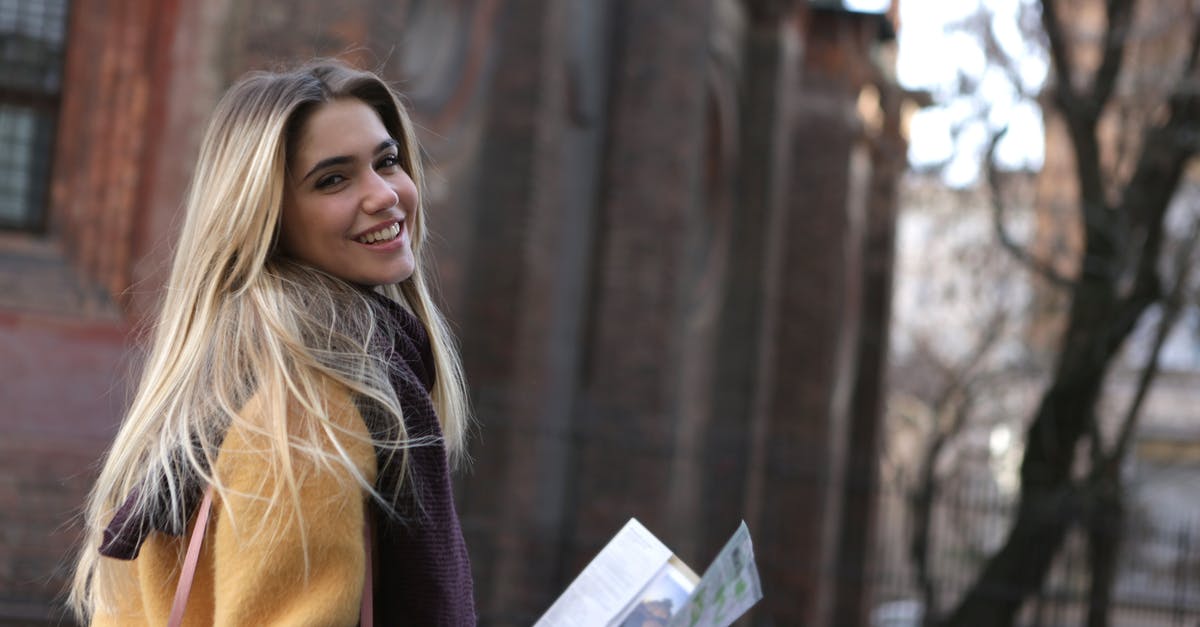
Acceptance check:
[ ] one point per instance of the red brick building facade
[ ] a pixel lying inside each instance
(664, 235)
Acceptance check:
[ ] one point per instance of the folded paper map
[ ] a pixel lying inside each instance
(636, 581)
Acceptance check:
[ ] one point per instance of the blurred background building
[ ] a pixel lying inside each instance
(664, 233)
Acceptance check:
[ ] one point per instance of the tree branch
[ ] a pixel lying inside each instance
(1116, 36)
(995, 52)
(1038, 266)
(1184, 99)
(950, 412)
(1068, 99)
(1081, 115)
(1145, 202)
(1194, 48)
(1147, 196)
(959, 376)
(1172, 306)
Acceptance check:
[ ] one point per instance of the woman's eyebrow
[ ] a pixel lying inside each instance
(325, 163)
(344, 159)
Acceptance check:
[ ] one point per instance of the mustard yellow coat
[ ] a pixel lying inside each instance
(254, 574)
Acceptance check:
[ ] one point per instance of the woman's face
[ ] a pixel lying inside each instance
(348, 203)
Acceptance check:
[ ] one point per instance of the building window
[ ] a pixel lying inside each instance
(32, 34)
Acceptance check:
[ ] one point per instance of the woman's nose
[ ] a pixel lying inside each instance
(380, 195)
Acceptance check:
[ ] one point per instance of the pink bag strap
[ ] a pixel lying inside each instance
(366, 613)
(184, 587)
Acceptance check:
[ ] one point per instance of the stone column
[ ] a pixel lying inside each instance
(628, 411)
(522, 296)
(815, 298)
(889, 160)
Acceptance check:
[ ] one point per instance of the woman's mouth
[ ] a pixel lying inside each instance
(382, 235)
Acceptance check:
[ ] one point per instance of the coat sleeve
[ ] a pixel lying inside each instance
(270, 567)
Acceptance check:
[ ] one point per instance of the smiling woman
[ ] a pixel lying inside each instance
(301, 381)
(347, 213)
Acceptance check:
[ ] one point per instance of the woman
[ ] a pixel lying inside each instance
(300, 374)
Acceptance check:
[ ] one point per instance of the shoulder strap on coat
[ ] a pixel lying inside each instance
(183, 589)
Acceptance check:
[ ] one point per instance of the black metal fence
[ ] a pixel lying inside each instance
(1157, 582)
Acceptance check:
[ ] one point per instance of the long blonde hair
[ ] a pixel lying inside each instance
(240, 320)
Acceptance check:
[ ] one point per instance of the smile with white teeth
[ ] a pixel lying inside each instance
(385, 234)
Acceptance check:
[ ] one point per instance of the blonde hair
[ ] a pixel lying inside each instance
(239, 320)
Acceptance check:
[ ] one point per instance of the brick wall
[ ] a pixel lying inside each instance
(64, 319)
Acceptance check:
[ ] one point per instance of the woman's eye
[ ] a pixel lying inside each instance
(329, 181)
(388, 161)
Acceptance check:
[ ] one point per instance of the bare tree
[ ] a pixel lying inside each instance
(950, 411)
(959, 359)
(1120, 277)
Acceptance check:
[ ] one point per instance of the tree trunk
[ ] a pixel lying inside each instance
(1047, 505)
(923, 497)
(1105, 531)
(1018, 568)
